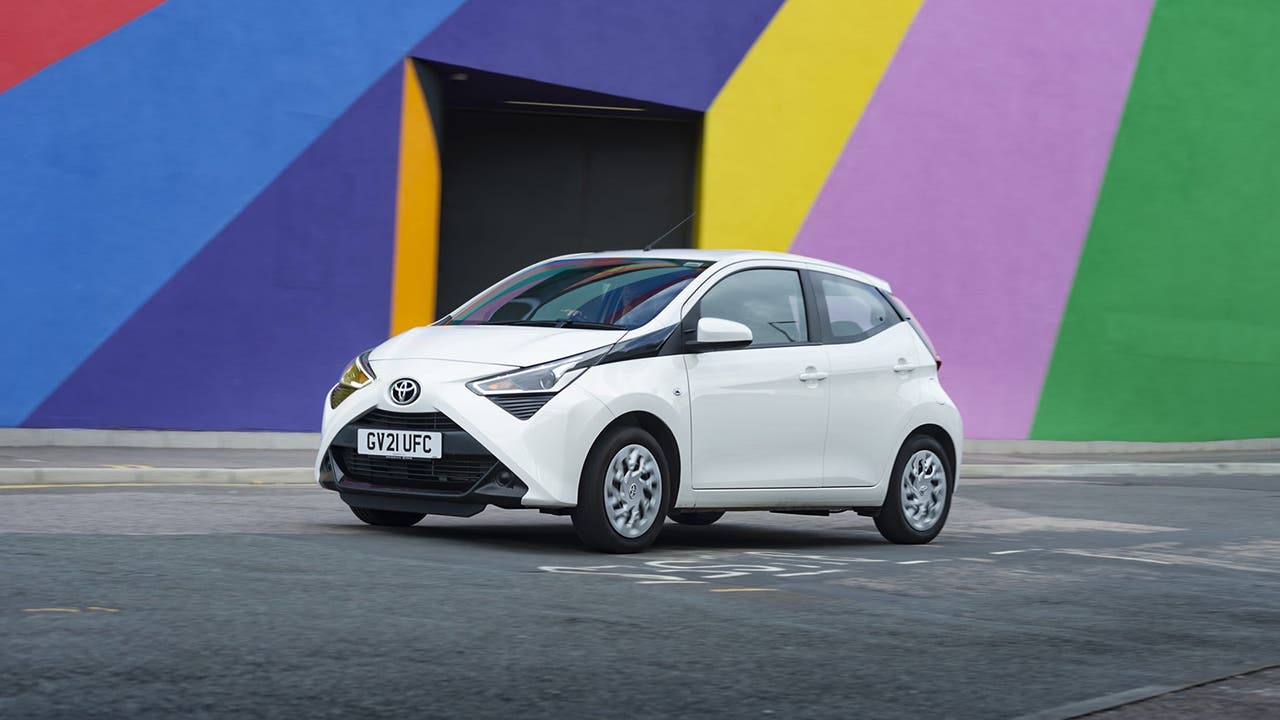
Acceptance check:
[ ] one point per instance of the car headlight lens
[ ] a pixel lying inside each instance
(547, 377)
(358, 374)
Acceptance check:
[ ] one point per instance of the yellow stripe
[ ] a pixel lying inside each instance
(413, 293)
(777, 127)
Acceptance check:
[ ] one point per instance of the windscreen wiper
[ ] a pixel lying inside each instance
(582, 324)
(587, 325)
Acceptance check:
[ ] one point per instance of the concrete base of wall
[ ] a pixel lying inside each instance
(188, 439)
(40, 437)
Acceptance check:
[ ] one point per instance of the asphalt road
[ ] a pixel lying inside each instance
(217, 602)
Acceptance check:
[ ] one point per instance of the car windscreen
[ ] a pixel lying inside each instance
(605, 293)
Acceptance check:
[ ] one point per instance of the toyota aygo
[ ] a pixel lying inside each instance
(625, 388)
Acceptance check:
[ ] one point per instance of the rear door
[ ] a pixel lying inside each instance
(759, 413)
(874, 356)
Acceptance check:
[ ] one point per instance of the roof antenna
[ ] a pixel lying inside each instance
(675, 227)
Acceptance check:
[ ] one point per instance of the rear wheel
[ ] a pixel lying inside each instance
(919, 496)
(623, 492)
(696, 518)
(387, 518)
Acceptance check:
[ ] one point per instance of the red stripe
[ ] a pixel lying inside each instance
(37, 33)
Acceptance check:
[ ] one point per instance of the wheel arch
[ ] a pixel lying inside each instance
(655, 426)
(937, 432)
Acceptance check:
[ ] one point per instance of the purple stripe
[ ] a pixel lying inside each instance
(674, 52)
(251, 333)
(970, 183)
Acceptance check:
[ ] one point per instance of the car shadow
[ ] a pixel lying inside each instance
(724, 535)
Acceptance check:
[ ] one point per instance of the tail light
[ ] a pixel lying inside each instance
(905, 312)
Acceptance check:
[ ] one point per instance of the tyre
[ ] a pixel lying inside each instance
(696, 518)
(387, 518)
(919, 495)
(623, 492)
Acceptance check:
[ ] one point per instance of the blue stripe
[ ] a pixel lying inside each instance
(118, 163)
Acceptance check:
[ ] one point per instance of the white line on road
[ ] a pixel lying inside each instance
(816, 558)
(1112, 557)
(1012, 552)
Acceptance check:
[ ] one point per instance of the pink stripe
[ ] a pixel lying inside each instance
(970, 183)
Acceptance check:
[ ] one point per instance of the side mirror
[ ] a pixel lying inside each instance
(721, 334)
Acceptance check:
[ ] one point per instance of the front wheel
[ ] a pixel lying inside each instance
(919, 496)
(623, 492)
(387, 518)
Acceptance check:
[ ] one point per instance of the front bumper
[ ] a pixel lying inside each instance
(491, 457)
(461, 484)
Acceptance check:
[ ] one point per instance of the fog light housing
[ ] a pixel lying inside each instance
(328, 478)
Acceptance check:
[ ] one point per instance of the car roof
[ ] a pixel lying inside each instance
(725, 256)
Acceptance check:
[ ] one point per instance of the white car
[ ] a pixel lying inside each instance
(625, 388)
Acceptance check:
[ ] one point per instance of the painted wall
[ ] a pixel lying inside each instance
(208, 208)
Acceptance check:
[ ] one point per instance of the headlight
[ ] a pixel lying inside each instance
(358, 374)
(548, 377)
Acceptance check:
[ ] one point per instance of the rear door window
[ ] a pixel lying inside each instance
(850, 310)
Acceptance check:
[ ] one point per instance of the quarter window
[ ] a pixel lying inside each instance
(769, 301)
(853, 310)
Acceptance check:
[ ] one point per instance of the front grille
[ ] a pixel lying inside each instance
(389, 420)
(523, 405)
(455, 474)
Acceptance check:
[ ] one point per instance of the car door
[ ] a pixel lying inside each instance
(758, 413)
(874, 356)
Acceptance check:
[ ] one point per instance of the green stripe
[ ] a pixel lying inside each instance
(1172, 331)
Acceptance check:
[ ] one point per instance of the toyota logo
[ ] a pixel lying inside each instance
(404, 391)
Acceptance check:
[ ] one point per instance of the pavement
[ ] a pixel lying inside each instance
(1129, 596)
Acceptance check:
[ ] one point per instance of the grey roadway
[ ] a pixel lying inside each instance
(1040, 597)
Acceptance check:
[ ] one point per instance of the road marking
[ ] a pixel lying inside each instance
(1194, 561)
(48, 486)
(131, 467)
(1003, 526)
(53, 610)
(1013, 552)
(745, 590)
(1112, 557)
(918, 562)
(827, 559)
(102, 609)
(711, 572)
(815, 572)
(612, 571)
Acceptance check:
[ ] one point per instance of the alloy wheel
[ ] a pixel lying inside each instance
(632, 491)
(924, 490)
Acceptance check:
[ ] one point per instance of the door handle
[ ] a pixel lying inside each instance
(903, 367)
(811, 375)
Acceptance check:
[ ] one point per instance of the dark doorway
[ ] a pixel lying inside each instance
(522, 185)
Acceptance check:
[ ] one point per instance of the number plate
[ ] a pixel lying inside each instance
(398, 443)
